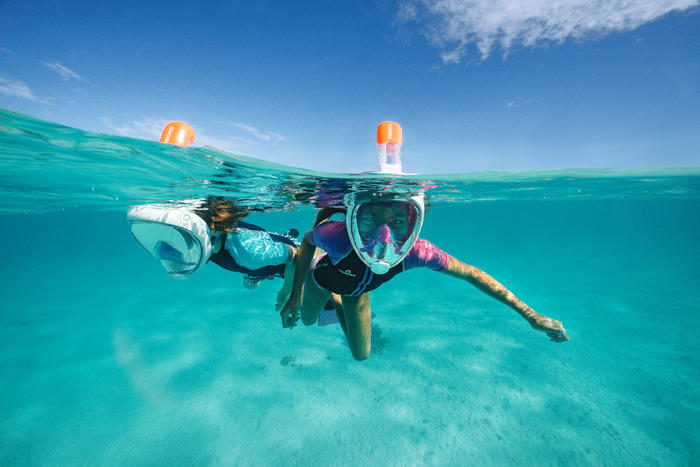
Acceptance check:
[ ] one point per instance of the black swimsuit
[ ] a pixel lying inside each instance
(350, 276)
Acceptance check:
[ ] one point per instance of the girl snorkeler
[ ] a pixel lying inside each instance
(183, 239)
(378, 240)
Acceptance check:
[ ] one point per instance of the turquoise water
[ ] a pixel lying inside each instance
(105, 360)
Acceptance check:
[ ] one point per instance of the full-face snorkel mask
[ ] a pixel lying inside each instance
(383, 231)
(176, 237)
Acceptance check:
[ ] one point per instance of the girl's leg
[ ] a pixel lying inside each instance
(313, 300)
(358, 319)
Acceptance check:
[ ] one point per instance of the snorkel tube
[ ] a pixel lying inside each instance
(389, 142)
(379, 249)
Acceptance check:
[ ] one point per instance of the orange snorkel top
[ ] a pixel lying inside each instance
(178, 133)
(389, 132)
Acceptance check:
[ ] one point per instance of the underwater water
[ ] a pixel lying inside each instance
(105, 360)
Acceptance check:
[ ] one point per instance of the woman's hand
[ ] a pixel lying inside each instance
(551, 327)
(290, 312)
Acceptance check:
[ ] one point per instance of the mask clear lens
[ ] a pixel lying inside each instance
(386, 221)
(383, 232)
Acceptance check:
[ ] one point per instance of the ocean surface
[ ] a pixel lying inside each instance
(105, 360)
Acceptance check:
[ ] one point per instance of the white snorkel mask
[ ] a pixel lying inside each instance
(177, 237)
(383, 231)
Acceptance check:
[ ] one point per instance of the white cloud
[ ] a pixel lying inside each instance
(145, 128)
(151, 129)
(16, 89)
(7, 51)
(262, 135)
(517, 103)
(454, 25)
(232, 143)
(66, 73)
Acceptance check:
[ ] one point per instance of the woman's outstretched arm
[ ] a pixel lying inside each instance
(495, 289)
(289, 270)
(304, 256)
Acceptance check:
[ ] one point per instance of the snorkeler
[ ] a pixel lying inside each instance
(183, 239)
(378, 240)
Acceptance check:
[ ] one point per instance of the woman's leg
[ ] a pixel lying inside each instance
(313, 300)
(358, 320)
(338, 305)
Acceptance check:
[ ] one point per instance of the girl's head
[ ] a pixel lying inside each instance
(221, 214)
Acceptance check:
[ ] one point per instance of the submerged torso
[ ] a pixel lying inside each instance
(253, 251)
(342, 271)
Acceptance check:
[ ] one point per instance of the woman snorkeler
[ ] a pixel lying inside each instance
(378, 240)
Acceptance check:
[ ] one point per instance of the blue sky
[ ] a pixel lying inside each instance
(477, 85)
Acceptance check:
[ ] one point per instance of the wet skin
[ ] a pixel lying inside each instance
(354, 312)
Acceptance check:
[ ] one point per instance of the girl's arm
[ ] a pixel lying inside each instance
(495, 289)
(290, 311)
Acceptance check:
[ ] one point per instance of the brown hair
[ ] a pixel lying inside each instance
(221, 214)
(325, 213)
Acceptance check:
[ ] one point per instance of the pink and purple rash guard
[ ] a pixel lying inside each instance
(341, 271)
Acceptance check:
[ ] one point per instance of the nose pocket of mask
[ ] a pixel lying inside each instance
(167, 252)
